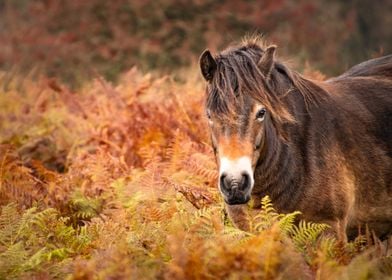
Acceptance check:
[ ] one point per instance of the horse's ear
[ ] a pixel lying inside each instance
(266, 62)
(207, 65)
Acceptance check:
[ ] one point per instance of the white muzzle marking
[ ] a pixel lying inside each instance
(236, 167)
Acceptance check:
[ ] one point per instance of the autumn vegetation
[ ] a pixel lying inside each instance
(109, 174)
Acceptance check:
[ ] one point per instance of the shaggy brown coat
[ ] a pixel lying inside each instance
(327, 146)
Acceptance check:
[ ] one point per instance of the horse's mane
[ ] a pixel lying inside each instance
(238, 75)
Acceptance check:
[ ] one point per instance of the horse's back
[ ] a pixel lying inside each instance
(367, 88)
(377, 67)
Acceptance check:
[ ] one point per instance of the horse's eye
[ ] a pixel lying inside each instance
(260, 114)
(209, 118)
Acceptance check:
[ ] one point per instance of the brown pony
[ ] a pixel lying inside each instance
(323, 148)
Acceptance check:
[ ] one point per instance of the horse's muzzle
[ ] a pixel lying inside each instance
(236, 199)
(235, 189)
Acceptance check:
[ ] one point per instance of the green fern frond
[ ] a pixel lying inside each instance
(266, 205)
(203, 224)
(207, 221)
(24, 221)
(34, 261)
(327, 245)
(358, 245)
(306, 233)
(266, 217)
(287, 222)
(11, 260)
(59, 254)
(84, 208)
(40, 219)
(35, 237)
(236, 235)
(9, 224)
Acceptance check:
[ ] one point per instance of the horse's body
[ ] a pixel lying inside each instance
(339, 155)
(326, 147)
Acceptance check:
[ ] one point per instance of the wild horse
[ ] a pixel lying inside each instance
(323, 148)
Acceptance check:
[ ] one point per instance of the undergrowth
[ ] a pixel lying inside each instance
(119, 182)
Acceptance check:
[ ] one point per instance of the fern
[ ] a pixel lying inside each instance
(359, 244)
(83, 208)
(266, 217)
(306, 233)
(287, 222)
(36, 237)
(206, 222)
(138, 196)
(60, 253)
(9, 224)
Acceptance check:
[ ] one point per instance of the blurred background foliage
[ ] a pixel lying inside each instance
(106, 171)
(74, 40)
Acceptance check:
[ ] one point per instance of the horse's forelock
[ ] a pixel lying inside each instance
(238, 77)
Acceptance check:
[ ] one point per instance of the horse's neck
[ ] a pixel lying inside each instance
(277, 172)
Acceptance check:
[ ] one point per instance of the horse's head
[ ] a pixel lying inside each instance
(239, 114)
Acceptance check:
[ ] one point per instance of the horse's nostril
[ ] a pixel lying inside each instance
(245, 180)
(223, 181)
(231, 183)
(223, 175)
